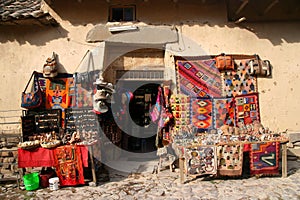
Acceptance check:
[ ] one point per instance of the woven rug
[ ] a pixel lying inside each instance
(264, 158)
(180, 106)
(247, 109)
(199, 78)
(240, 81)
(68, 165)
(201, 160)
(230, 160)
(223, 112)
(201, 114)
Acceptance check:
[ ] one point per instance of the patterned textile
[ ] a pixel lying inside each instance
(180, 106)
(230, 160)
(223, 112)
(199, 78)
(264, 158)
(84, 98)
(57, 93)
(240, 81)
(247, 109)
(68, 165)
(201, 160)
(201, 113)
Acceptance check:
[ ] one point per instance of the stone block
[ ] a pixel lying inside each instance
(7, 154)
(294, 152)
(294, 136)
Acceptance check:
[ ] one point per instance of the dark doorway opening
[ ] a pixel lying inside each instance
(142, 130)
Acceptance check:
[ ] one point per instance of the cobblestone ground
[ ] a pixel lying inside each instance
(166, 185)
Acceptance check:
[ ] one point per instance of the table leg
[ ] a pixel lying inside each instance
(284, 160)
(181, 168)
(92, 164)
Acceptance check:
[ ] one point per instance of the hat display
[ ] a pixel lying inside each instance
(99, 106)
(50, 68)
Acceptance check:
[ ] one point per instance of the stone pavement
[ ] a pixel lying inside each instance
(166, 185)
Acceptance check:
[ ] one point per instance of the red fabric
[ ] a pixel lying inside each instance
(247, 147)
(68, 164)
(84, 155)
(39, 157)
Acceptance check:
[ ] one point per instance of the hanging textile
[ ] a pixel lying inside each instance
(264, 158)
(180, 106)
(199, 78)
(201, 160)
(239, 81)
(230, 160)
(223, 112)
(247, 109)
(201, 114)
(68, 165)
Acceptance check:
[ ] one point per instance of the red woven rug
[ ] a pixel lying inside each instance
(199, 78)
(247, 109)
(264, 158)
(201, 114)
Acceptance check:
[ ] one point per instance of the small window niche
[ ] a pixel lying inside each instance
(122, 13)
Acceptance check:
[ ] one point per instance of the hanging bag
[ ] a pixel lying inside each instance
(33, 99)
(224, 62)
(261, 68)
(87, 78)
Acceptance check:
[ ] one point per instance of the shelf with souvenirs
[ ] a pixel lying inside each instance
(216, 118)
(51, 137)
(62, 121)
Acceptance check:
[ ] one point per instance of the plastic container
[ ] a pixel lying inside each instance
(54, 183)
(31, 181)
(44, 180)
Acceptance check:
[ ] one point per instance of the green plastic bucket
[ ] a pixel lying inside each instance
(31, 181)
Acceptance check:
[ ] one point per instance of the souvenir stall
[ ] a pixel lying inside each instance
(215, 118)
(61, 122)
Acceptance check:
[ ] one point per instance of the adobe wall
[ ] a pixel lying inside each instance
(25, 48)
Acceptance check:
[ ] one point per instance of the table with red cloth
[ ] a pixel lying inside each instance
(76, 158)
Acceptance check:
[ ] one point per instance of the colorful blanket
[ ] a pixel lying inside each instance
(201, 160)
(223, 112)
(238, 82)
(201, 114)
(199, 78)
(230, 160)
(247, 109)
(180, 106)
(264, 158)
(68, 165)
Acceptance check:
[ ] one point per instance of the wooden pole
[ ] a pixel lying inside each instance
(284, 160)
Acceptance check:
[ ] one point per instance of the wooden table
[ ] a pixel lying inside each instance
(283, 157)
